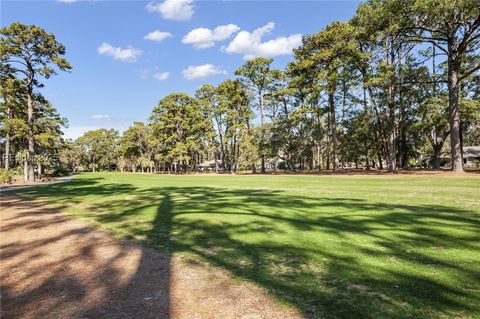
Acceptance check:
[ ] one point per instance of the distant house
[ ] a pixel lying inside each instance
(208, 166)
(471, 156)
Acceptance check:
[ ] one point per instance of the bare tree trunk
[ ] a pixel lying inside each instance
(365, 107)
(328, 141)
(254, 168)
(319, 155)
(25, 170)
(391, 141)
(7, 142)
(31, 141)
(454, 116)
(262, 136)
(333, 126)
(7, 151)
(391, 149)
(222, 146)
(461, 139)
(40, 170)
(436, 157)
(380, 160)
(367, 159)
(234, 164)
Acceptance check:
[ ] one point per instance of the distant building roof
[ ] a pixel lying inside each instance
(210, 163)
(468, 152)
(471, 151)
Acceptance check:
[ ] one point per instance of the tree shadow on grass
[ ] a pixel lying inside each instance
(54, 267)
(329, 257)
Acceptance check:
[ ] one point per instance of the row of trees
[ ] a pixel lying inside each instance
(387, 89)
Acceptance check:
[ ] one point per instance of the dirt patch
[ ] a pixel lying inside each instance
(53, 266)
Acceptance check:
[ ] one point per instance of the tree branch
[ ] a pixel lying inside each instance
(430, 40)
(470, 72)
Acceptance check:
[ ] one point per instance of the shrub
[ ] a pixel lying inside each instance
(6, 176)
(60, 171)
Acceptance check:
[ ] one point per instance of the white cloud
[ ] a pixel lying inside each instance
(100, 117)
(157, 36)
(202, 38)
(202, 71)
(180, 10)
(128, 54)
(154, 73)
(250, 43)
(67, 1)
(161, 76)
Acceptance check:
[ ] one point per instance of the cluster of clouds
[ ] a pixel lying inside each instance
(202, 38)
(193, 72)
(128, 54)
(202, 71)
(154, 74)
(249, 44)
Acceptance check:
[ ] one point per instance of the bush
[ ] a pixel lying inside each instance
(6, 176)
(60, 171)
(282, 165)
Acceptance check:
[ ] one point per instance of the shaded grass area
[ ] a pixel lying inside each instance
(345, 247)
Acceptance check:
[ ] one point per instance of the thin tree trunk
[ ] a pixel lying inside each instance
(328, 140)
(380, 161)
(7, 142)
(222, 146)
(365, 107)
(461, 139)
(25, 170)
(7, 150)
(254, 168)
(391, 149)
(31, 141)
(319, 164)
(262, 136)
(391, 140)
(333, 126)
(367, 159)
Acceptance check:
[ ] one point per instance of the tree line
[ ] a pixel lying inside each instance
(394, 87)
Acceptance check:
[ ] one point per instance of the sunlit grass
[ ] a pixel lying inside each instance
(358, 246)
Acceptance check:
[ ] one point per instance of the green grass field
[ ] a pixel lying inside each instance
(350, 247)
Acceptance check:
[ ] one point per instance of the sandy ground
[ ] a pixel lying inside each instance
(53, 266)
(19, 184)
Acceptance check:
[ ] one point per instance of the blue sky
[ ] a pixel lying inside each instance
(120, 72)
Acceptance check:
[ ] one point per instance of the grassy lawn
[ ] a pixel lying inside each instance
(351, 247)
